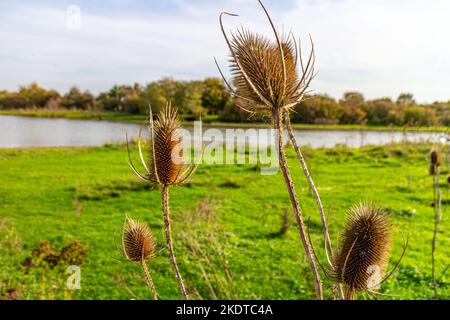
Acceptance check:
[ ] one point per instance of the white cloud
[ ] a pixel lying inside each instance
(380, 48)
(37, 46)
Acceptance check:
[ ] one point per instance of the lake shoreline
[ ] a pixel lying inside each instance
(25, 132)
(127, 118)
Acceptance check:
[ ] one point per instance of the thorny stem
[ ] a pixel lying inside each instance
(437, 220)
(165, 201)
(277, 124)
(315, 192)
(149, 279)
(349, 294)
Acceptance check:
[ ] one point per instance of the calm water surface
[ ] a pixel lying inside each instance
(22, 132)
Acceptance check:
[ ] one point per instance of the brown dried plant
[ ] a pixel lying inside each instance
(165, 168)
(138, 246)
(328, 246)
(266, 83)
(265, 73)
(363, 256)
(435, 162)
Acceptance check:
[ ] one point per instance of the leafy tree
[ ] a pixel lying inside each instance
(378, 111)
(214, 97)
(32, 96)
(209, 96)
(188, 97)
(406, 98)
(159, 92)
(353, 97)
(75, 99)
(320, 109)
(353, 103)
(419, 116)
(122, 98)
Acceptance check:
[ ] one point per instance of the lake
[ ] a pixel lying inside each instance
(23, 132)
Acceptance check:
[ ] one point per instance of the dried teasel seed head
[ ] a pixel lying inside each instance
(435, 160)
(435, 156)
(264, 72)
(261, 60)
(365, 249)
(137, 241)
(166, 163)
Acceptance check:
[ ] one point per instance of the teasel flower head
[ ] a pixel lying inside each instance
(435, 160)
(364, 254)
(166, 165)
(264, 72)
(137, 242)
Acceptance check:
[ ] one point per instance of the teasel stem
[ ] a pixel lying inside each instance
(149, 279)
(165, 202)
(437, 220)
(316, 195)
(278, 127)
(350, 294)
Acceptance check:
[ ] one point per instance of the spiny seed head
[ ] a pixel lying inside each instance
(166, 158)
(435, 156)
(166, 165)
(265, 72)
(366, 245)
(435, 160)
(137, 241)
(261, 60)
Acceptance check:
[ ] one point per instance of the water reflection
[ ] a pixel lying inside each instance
(20, 132)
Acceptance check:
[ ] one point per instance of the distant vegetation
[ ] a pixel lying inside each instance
(210, 97)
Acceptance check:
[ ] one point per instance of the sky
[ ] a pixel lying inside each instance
(377, 47)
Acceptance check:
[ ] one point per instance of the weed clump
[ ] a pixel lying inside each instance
(45, 255)
(74, 253)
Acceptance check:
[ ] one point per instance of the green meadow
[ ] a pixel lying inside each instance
(233, 228)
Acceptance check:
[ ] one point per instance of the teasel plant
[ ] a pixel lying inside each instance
(315, 191)
(361, 260)
(165, 168)
(266, 83)
(435, 162)
(448, 183)
(138, 246)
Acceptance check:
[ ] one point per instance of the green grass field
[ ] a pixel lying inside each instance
(226, 223)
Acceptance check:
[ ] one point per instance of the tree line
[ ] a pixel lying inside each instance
(210, 97)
